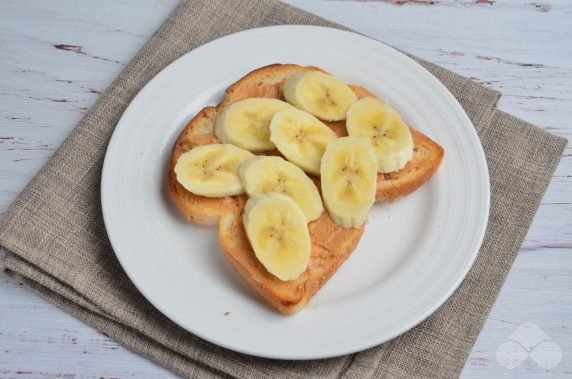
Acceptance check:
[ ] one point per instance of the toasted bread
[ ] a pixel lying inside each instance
(427, 156)
(267, 82)
(264, 82)
(199, 209)
(331, 244)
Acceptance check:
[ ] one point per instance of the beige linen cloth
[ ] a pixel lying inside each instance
(57, 245)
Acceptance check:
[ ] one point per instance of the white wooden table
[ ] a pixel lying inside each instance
(57, 56)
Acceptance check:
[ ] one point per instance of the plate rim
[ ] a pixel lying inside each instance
(105, 180)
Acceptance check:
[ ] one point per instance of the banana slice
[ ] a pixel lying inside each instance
(389, 135)
(301, 138)
(278, 232)
(349, 180)
(211, 170)
(261, 175)
(245, 123)
(321, 94)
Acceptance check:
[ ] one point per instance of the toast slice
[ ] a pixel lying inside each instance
(263, 82)
(267, 82)
(331, 244)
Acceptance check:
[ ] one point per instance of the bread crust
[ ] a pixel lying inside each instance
(265, 81)
(427, 157)
(331, 244)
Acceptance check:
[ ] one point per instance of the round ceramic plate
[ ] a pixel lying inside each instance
(413, 255)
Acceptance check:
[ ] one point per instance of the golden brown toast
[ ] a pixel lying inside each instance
(199, 209)
(427, 157)
(331, 244)
(267, 82)
(263, 82)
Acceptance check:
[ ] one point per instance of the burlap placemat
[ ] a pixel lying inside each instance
(56, 241)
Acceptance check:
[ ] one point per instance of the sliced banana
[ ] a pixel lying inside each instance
(321, 94)
(349, 180)
(261, 175)
(301, 138)
(278, 233)
(211, 170)
(388, 133)
(245, 123)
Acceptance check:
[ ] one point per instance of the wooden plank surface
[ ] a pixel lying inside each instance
(56, 57)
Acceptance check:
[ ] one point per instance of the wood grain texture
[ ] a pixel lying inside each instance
(57, 56)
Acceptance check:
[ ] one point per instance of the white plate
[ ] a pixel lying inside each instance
(414, 252)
